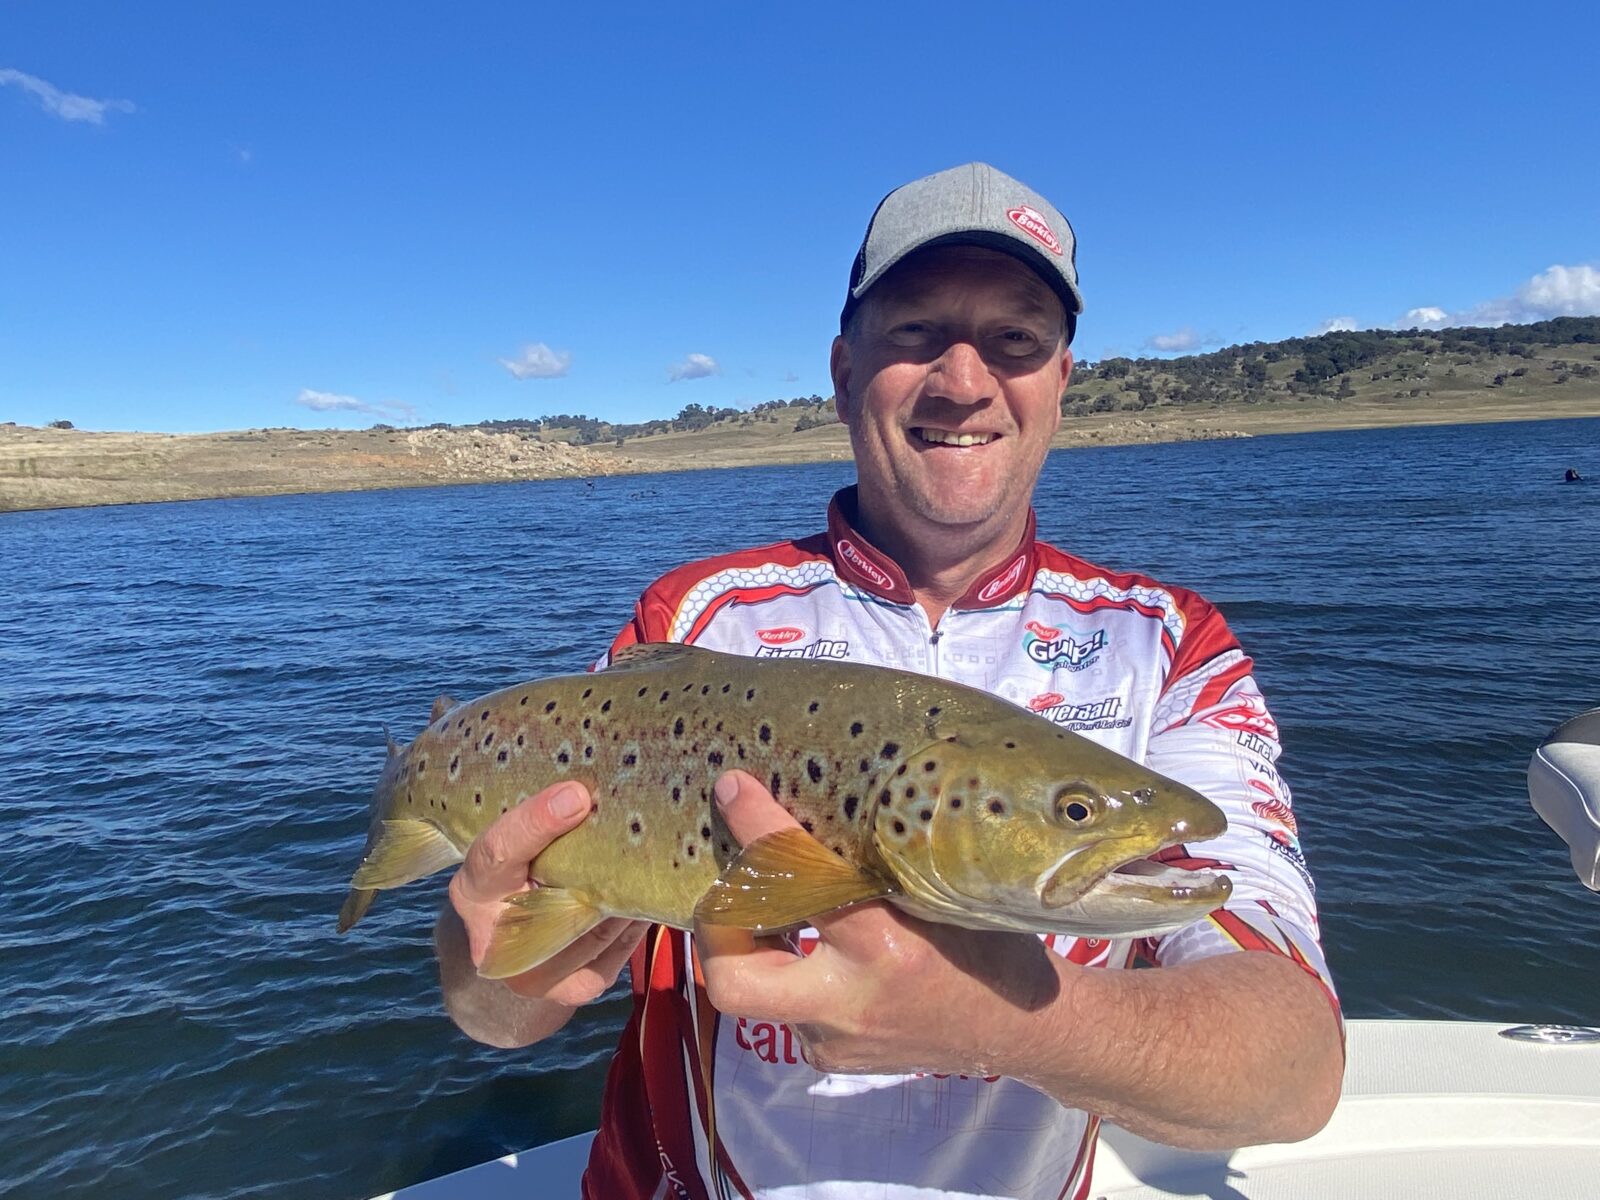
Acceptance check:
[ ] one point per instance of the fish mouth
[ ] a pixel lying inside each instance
(1134, 878)
(1145, 879)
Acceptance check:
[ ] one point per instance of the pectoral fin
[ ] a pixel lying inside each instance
(536, 926)
(405, 850)
(785, 879)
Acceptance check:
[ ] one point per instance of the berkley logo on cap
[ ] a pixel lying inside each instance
(862, 563)
(1047, 632)
(781, 636)
(1001, 585)
(1031, 221)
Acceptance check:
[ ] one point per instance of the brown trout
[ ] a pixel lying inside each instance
(955, 805)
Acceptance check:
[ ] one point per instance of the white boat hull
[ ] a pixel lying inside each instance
(1431, 1110)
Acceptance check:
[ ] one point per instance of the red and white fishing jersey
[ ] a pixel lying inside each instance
(708, 1107)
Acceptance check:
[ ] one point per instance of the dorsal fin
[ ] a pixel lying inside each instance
(395, 749)
(653, 654)
(441, 705)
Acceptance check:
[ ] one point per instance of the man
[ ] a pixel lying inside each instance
(877, 1055)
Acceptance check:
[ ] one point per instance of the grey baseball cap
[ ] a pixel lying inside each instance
(972, 205)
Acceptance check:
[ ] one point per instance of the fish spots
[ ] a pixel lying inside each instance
(502, 758)
(812, 707)
(522, 739)
(807, 826)
(864, 766)
(705, 833)
(900, 770)
(453, 772)
(477, 799)
(677, 794)
(605, 705)
(899, 826)
(1010, 745)
(765, 734)
(925, 815)
(484, 715)
(955, 803)
(890, 749)
(488, 740)
(884, 798)
(705, 689)
(775, 784)
(749, 695)
(934, 712)
(587, 692)
(726, 688)
(587, 722)
(641, 692)
(911, 791)
(997, 807)
(630, 760)
(930, 765)
(714, 757)
(523, 702)
(814, 770)
(677, 728)
(422, 765)
(665, 696)
(856, 728)
(850, 805)
(563, 754)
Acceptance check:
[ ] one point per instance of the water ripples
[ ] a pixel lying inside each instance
(198, 693)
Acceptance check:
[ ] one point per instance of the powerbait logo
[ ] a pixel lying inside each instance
(1095, 714)
(1052, 648)
(821, 648)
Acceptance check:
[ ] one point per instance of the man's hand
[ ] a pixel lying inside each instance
(1226, 1051)
(882, 992)
(496, 868)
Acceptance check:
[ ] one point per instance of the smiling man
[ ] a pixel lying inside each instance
(875, 1055)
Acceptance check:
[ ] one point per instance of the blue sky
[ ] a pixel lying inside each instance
(221, 216)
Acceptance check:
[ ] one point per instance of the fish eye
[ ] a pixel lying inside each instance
(1074, 804)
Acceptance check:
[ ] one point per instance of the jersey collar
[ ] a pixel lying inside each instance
(871, 570)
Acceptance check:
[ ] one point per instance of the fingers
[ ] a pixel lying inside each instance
(749, 808)
(496, 865)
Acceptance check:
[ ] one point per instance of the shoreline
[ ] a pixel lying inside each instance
(69, 468)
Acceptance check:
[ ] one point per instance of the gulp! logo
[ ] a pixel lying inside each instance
(1002, 585)
(1061, 650)
(781, 636)
(1045, 700)
(1031, 221)
(862, 563)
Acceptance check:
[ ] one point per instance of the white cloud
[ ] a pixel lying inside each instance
(790, 377)
(1335, 325)
(1559, 291)
(1422, 318)
(66, 105)
(696, 366)
(538, 361)
(332, 402)
(1180, 342)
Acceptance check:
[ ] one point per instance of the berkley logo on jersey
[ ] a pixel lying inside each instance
(1062, 650)
(781, 636)
(874, 573)
(1004, 585)
(821, 648)
(1031, 221)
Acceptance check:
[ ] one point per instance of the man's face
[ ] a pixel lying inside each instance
(950, 380)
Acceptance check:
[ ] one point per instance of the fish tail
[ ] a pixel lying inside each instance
(355, 906)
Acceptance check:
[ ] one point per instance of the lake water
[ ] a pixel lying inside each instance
(195, 695)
